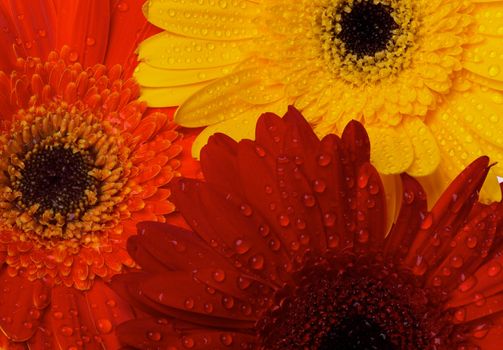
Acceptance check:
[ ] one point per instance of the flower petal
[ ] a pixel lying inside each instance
(22, 305)
(195, 18)
(392, 151)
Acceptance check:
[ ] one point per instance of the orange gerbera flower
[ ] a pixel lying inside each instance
(82, 161)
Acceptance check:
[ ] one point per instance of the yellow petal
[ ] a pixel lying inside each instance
(197, 18)
(391, 150)
(166, 50)
(150, 76)
(393, 191)
(481, 110)
(488, 18)
(169, 96)
(484, 58)
(229, 97)
(426, 152)
(238, 128)
(459, 146)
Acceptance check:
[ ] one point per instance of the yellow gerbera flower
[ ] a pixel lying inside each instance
(425, 76)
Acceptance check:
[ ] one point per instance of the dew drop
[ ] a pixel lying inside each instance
(67, 331)
(456, 262)
(246, 210)
(319, 186)
(104, 325)
(123, 6)
(264, 230)
(460, 315)
(228, 302)
(308, 200)
(494, 269)
(90, 41)
(284, 220)
(154, 336)
(493, 71)
(257, 262)
(260, 151)
(111, 303)
(189, 303)
(218, 275)
(363, 236)
(427, 222)
(188, 342)
(363, 180)
(73, 56)
(57, 315)
(408, 197)
(333, 241)
(471, 242)
(242, 246)
(226, 339)
(324, 160)
(243, 283)
(468, 284)
(329, 219)
(208, 308)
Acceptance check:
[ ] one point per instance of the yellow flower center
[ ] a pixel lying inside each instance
(366, 40)
(62, 173)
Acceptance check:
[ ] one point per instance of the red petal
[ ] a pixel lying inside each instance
(127, 21)
(447, 216)
(87, 317)
(412, 212)
(22, 304)
(84, 26)
(151, 333)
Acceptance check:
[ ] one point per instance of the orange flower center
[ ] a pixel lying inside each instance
(62, 172)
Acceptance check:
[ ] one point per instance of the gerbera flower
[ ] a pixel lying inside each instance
(82, 161)
(290, 250)
(424, 76)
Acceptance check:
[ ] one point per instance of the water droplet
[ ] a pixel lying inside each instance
(122, 6)
(243, 283)
(104, 325)
(427, 222)
(308, 200)
(363, 236)
(494, 269)
(208, 308)
(363, 180)
(284, 220)
(257, 262)
(493, 71)
(319, 186)
(189, 303)
(329, 219)
(460, 315)
(73, 56)
(57, 315)
(154, 336)
(246, 210)
(260, 151)
(408, 197)
(228, 302)
(226, 339)
(219, 275)
(28, 325)
(42, 33)
(67, 331)
(471, 242)
(467, 284)
(264, 230)
(333, 241)
(188, 342)
(456, 262)
(324, 159)
(420, 267)
(274, 244)
(111, 303)
(90, 41)
(242, 246)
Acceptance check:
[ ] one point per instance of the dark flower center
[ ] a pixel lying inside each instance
(56, 178)
(366, 27)
(348, 304)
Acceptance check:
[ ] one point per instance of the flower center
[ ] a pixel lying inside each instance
(366, 27)
(347, 303)
(63, 174)
(56, 178)
(364, 41)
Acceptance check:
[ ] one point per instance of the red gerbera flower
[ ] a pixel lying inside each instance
(290, 250)
(82, 161)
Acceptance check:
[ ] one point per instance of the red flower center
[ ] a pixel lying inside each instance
(349, 303)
